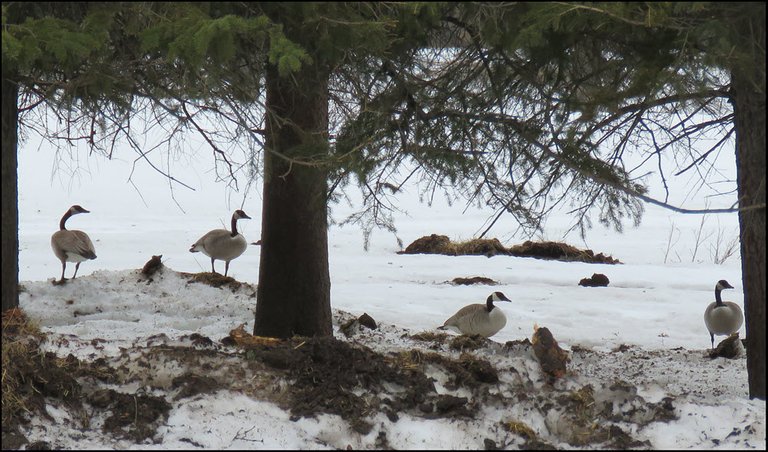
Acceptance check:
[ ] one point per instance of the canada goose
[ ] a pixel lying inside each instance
(71, 246)
(722, 317)
(483, 319)
(222, 244)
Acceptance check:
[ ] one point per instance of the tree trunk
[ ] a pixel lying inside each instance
(748, 92)
(294, 292)
(10, 199)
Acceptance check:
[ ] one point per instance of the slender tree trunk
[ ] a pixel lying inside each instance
(10, 204)
(294, 289)
(748, 91)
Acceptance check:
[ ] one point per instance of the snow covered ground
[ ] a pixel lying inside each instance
(653, 307)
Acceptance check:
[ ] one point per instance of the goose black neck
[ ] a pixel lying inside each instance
(64, 219)
(234, 225)
(489, 304)
(718, 300)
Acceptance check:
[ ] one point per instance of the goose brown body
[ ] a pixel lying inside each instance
(222, 244)
(722, 317)
(483, 319)
(71, 245)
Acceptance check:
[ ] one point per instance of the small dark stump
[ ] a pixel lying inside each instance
(152, 266)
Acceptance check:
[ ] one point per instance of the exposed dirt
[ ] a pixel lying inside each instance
(217, 280)
(473, 280)
(596, 280)
(133, 416)
(328, 373)
(441, 244)
(309, 376)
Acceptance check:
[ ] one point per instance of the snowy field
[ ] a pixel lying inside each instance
(653, 305)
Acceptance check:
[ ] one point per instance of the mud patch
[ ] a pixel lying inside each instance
(134, 416)
(331, 376)
(468, 371)
(191, 384)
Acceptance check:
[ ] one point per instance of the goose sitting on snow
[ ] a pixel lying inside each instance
(722, 317)
(71, 246)
(223, 244)
(483, 319)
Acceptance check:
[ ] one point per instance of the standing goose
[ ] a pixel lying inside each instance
(722, 317)
(222, 244)
(483, 319)
(71, 246)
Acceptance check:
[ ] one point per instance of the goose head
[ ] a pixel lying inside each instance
(496, 296)
(722, 284)
(239, 214)
(74, 210)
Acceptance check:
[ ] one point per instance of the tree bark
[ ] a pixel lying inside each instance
(10, 204)
(748, 96)
(294, 292)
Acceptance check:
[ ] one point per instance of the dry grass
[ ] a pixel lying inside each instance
(21, 343)
(520, 429)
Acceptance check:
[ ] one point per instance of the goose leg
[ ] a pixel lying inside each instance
(63, 267)
(226, 267)
(213, 269)
(76, 267)
(712, 337)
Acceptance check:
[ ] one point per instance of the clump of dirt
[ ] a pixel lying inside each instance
(485, 247)
(352, 326)
(551, 357)
(559, 251)
(134, 416)
(216, 280)
(474, 280)
(152, 266)
(597, 280)
(430, 244)
(441, 244)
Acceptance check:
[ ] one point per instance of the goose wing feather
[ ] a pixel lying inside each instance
(220, 244)
(67, 243)
(464, 312)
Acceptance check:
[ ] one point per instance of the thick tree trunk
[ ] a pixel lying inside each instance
(748, 91)
(9, 193)
(294, 284)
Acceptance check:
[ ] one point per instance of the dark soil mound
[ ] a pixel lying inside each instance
(597, 280)
(430, 244)
(559, 251)
(328, 373)
(441, 244)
